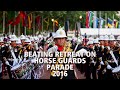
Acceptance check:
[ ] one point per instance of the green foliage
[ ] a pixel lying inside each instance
(60, 16)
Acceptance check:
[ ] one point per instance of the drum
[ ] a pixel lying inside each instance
(16, 70)
(33, 60)
(15, 67)
(25, 61)
(23, 70)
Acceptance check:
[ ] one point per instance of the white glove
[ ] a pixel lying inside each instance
(7, 63)
(53, 49)
(92, 61)
(109, 67)
(101, 63)
(108, 48)
(36, 46)
(102, 46)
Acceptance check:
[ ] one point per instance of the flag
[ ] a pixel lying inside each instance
(109, 23)
(97, 22)
(16, 20)
(119, 24)
(25, 21)
(23, 16)
(87, 19)
(29, 23)
(101, 22)
(31, 17)
(9, 22)
(56, 25)
(46, 20)
(38, 22)
(37, 19)
(115, 23)
(91, 14)
(20, 16)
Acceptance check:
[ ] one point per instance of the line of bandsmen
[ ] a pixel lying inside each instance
(106, 63)
(12, 50)
(100, 67)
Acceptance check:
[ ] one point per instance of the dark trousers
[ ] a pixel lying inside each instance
(9, 69)
(93, 71)
(1, 75)
(108, 75)
(87, 71)
(90, 70)
(100, 72)
(9, 72)
(81, 67)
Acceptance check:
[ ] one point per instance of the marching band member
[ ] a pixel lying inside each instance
(60, 41)
(90, 62)
(118, 48)
(2, 64)
(10, 54)
(100, 63)
(106, 47)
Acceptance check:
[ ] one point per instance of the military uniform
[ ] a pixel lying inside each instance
(70, 73)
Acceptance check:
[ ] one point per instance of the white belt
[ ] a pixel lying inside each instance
(10, 59)
(111, 61)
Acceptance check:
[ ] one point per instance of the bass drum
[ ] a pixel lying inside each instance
(116, 72)
(15, 70)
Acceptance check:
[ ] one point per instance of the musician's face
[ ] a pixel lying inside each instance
(96, 44)
(23, 42)
(101, 42)
(1, 43)
(106, 43)
(60, 41)
(90, 46)
(111, 43)
(13, 43)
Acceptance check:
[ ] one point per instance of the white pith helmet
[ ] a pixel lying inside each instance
(106, 37)
(60, 33)
(101, 37)
(118, 38)
(111, 37)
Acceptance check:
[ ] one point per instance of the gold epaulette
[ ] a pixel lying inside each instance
(28, 46)
(19, 48)
(20, 51)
